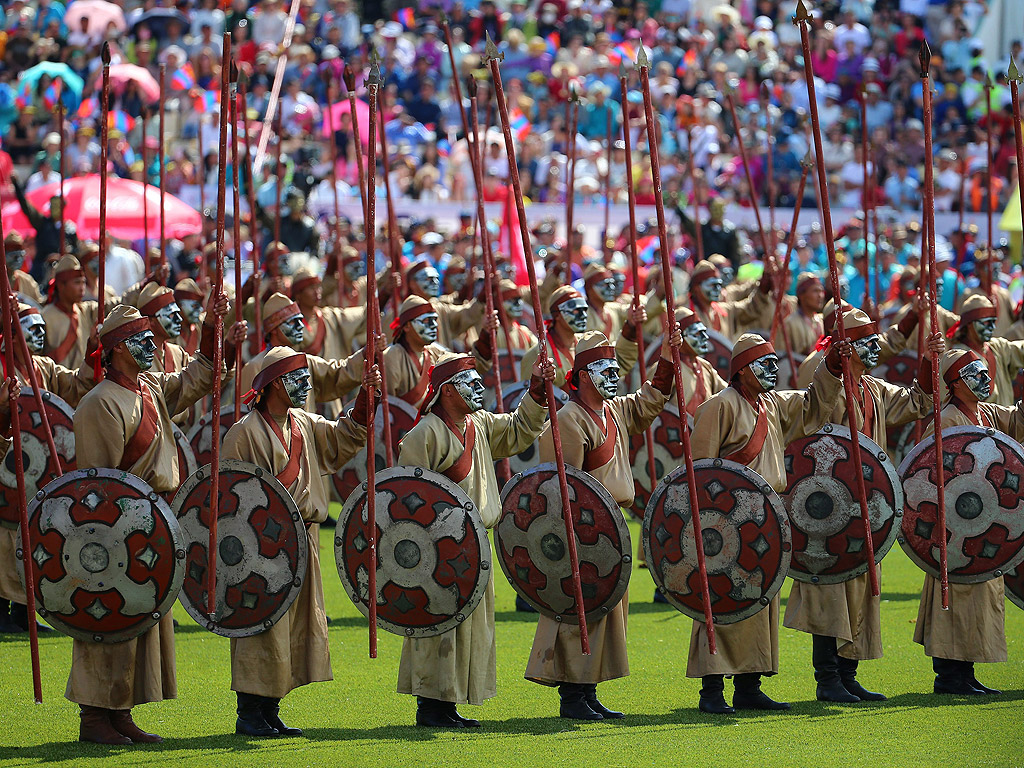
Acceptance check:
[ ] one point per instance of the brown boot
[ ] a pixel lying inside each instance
(96, 727)
(122, 721)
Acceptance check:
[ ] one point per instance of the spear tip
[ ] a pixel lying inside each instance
(623, 70)
(350, 78)
(641, 58)
(988, 82)
(574, 96)
(808, 161)
(801, 16)
(925, 58)
(1012, 72)
(105, 53)
(491, 52)
(442, 17)
(374, 78)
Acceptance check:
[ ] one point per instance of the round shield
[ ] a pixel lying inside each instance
(745, 533)
(824, 510)
(35, 453)
(262, 550)
(108, 555)
(983, 469)
(902, 370)
(509, 365)
(199, 437)
(1014, 584)
(668, 454)
(511, 397)
(433, 555)
(720, 355)
(186, 456)
(353, 473)
(531, 543)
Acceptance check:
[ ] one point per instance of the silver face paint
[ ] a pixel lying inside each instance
(169, 318)
(142, 348)
(697, 337)
(284, 263)
(985, 328)
(190, 309)
(574, 312)
(728, 275)
(294, 331)
(34, 328)
(868, 349)
(429, 281)
(470, 387)
(844, 288)
(976, 377)
(425, 327)
(298, 386)
(514, 308)
(712, 288)
(766, 371)
(15, 259)
(605, 375)
(620, 282)
(457, 280)
(355, 269)
(506, 271)
(607, 289)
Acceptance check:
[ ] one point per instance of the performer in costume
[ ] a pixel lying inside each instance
(353, 264)
(728, 318)
(750, 423)
(731, 290)
(69, 319)
(300, 449)
(700, 379)
(1005, 315)
(9, 389)
(456, 437)
(845, 619)
(125, 423)
(595, 426)
(165, 320)
(21, 282)
(908, 288)
(1003, 358)
(453, 320)
(802, 315)
(190, 301)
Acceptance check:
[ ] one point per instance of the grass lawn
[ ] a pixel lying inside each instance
(359, 720)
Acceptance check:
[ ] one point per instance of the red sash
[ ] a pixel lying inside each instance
(189, 338)
(62, 352)
(979, 421)
(555, 349)
(146, 432)
(601, 455)
(867, 409)
(756, 442)
(458, 471)
(316, 347)
(290, 473)
(701, 390)
(415, 395)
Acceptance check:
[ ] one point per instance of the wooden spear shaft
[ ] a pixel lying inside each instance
(780, 289)
(492, 56)
(802, 20)
(278, 182)
(254, 239)
(202, 165)
(236, 220)
(1013, 75)
(60, 162)
(163, 184)
(867, 197)
(684, 427)
(990, 160)
(339, 273)
(145, 187)
(104, 151)
(697, 226)
(350, 86)
(607, 179)
(766, 99)
(573, 110)
(769, 254)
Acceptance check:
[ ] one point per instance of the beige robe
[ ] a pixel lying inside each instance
(344, 334)
(848, 611)
(122, 675)
(58, 325)
(946, 321)
(353, 292)
(1001, 299)
(402, 370)
(723, 425)
(26, 285)
(522, 338)
(556, 657)
(891, 340)
(733, 318)
(460, 665)
(803, 330)
(295, 651)
(331, 379)
(626, 352)
(1006, 359)
(973, 627)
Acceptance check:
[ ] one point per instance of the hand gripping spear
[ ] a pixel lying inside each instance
(101, 277)
(492, 57)
(339, 273)
(802, 21)
(929, 217)
(670, 311)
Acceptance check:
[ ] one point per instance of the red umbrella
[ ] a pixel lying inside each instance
(362, 116)
(124, 209)
(122, 73)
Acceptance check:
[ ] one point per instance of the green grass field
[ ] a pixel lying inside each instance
(359, 720)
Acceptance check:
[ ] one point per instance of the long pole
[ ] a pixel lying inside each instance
(104, 151)
(163, 163)
(202, 165)
(769, 254)
(697, 227)
(684, 426)
(492, 56)
(145, 186)
(339, 273)
(350, 86)
(1014, 78)
(236, 219)
(607, 178)
(769, 180)
(783, 283)
(573, 110)
(990, 160)
(867, 199)
(802, 20)
(929, 216)
(254, 239)
(63, 141)
(277, 183)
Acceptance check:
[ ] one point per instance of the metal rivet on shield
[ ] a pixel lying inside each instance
(814, 579)
(485, 566)
(91, 473)
(97, 638)
(558, 618)
(827, 429)
(366, 486)
(998, 572)
(989, 431)
(297, 582)
(42, 612)
(180, 554)
(40, 494)
(627, 559)
(786, 546)
(337, 541)
(408, 632)
(604, 609)
(418, 472)
(716, 463)
(151, 497)
(460, 617)
(18, 553)
(764, 600)
(259, 472)
(468, 506)
(901, 539)
(156, 615)
(268, 624)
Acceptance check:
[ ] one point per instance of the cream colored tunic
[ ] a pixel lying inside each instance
(891, 340)
(460, 665)
(331, 379)
(402, 370)
(556, 656)
(946, 321)
(733, 318)
(848, 611)
(1004, 359)
(26, 285)
(122, 675)
(295, 651)
(804, 332)
(1003, 302)
(344, 334)
(353, 292)
(626, 352)
(58, 325)
(973, 627)
(724, 425)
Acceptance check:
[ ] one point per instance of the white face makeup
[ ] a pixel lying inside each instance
(605, 375)
(471, 388)
(514, 308)
(975, 376)
(620, 282)
(457, 280)
(697, 337)
(766, 371)
(169, 318)
(728, 274)
(294, 331)
(284, 263)
(190, 309)
(429, 281)
(142, 347)
(607, 289)
(868, 349)
(355, 269)
(425, 327)
(298, 385)
(34, 328)
(712, 288)
(574, 312)
(985, 328)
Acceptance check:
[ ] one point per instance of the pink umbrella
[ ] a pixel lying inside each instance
(99, 12)
(124, 209)
(362, 116)
(122, 73)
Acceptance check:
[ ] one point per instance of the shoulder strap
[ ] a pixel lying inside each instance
(458, 471)
(316, 347)
(600, 455)
(61, 353)
(290, 473)
(145, 433)
(756, 442)
(415, 395)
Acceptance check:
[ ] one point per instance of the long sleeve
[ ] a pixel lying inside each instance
(333, 379)
(712, 416)
(573, 438)
(185, 388)
(69, 385)
(461, 317)
(639, 409)
(100, 434)
(903, 405)
(511, 433)
(336, 441)
(1009, 354)
(804, 411)
(626, 353)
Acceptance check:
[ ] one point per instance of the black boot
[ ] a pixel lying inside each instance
(590, 696)
(19, 618)
(949, 678)
(251, 721)
(712, 696)
(524, 607)
(848, 674)
(453, 713)
(967, 673)
(826, 671)
(431, 713)
(271, 709)
(659, 596)
(574, 703)
(750, 696)
(6, 626)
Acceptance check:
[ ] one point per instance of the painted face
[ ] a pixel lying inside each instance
(605, 375)
(34, 328)
(868, 350)
(169, 318)
(457, 280)
(15, 259)
(766, 371)
(712, 288)
(514, 308)
(607, 289)
(190, 309)
(985, 328)
(93, 265)
(574, 312)
(294, 331)
(142, 347)
(975, 376)
(429, 282)
(696, 336)
(298, 385)
(425, 327)
(284, 263)
(620, 282)
(844, 288)
(471, 387)
(355, 269)
(728, 274)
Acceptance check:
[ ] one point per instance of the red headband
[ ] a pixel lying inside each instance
(806, 283)
(408, 316)
(439, 375)
(183, 295)
(574, 294)
(28, 311)
(745, 358)
(698, 274)
(285, 313)
(151, 307)
(861, 331)
(68, 274)
(511, 293)
(690, 319)
(119, 334)
(298, 285)
(419, 266)
(599, 274)
(968, 317)
(953, 372)
(275, 371)
(588, 356)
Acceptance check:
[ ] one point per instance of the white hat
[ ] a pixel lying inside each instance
(432, 238)
(763, 22)
(391, 29)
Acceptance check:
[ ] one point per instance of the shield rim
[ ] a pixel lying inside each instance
(272, 484)
(164, 607)
(379, 447)
(866, 443)
(483, 542)
(196, 429)
(622, 584)
(786, 536)
(672, 408)
(925, 444)
(184, 449)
